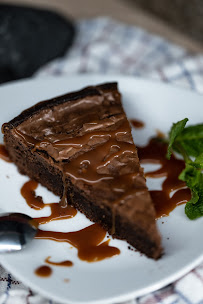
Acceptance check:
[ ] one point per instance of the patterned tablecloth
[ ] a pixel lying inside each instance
(105, 46)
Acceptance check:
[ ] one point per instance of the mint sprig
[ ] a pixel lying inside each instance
(176, 130)
(191, 139)
(188, 141)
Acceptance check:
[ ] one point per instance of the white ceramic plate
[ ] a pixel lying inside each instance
(129, 274)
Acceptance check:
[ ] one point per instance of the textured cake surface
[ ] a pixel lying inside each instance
(82, 142)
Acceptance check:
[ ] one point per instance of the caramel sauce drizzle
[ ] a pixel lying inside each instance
(43, 271)
(57, 213)
(76, 142)
(94, 166)
(28, 192)
(26, 138)
(36, 202)
(89, 166)
(87, 241)
(66, 263)
(86, 166)
(4, 154)
(155, 153)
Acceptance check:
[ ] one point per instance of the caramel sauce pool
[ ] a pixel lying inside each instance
(164, 200)
(4, 154)
(43, 271)
(88, 241)
(154, 152)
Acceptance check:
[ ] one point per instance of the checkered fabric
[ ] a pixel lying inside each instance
(105, 46)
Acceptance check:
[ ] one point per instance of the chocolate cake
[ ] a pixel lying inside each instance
(80, 145)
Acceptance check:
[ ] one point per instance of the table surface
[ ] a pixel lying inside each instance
(121, 10)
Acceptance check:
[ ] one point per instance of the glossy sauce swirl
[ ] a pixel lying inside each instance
(174, 191)
(165, 200)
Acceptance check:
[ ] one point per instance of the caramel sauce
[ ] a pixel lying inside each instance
(4, 154)
(160, 134)
(76, 142)
(164, 204)
(57, 213)
(30, 141)
(66, 263)
(138, 124)
(91, 166)
(43, 271)
(155, 152)
(28, 192)
(97, 162)
(36, 202)
(96, 165)
(63, 201)
(87, 241)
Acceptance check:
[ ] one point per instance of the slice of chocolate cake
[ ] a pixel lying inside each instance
(80, 144)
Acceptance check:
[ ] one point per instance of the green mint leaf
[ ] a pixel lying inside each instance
(194, 197)
(191, 176)
(198, 162)
(176, 129)
(194, 180)
(191, 140)
(195, 210)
